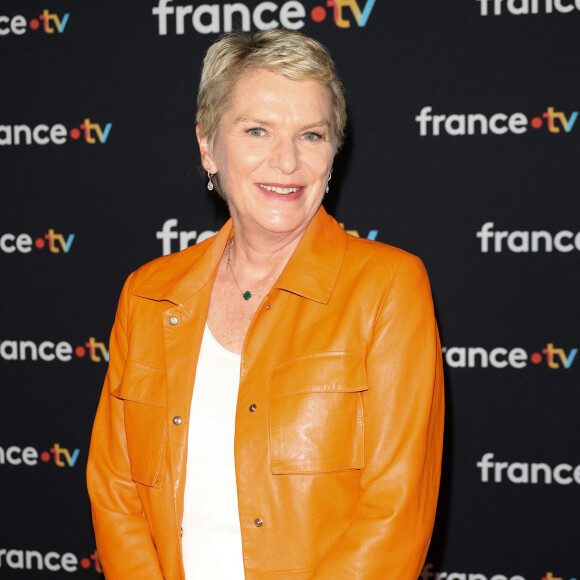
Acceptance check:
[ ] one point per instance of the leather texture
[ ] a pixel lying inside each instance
(340, 458)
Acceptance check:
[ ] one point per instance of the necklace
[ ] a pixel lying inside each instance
(246, 295)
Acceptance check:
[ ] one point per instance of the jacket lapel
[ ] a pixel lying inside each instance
(177, 277)
(313, 269)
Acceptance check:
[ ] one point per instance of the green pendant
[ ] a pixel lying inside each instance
(247, 295)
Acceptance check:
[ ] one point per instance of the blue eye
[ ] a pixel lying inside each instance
(256, 132)
(312, 136)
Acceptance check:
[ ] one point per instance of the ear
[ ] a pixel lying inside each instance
(207, 160)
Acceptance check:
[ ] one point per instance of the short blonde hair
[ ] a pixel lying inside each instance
(279, 50)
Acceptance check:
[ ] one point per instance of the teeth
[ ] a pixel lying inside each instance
(280, 190)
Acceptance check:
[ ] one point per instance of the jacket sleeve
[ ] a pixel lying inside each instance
(403, 419)
(124, 543)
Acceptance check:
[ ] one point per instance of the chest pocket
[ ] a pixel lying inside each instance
(316, 413)
(142, 391)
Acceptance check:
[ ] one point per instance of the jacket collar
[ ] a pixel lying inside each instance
(311, 272)
(313, 269)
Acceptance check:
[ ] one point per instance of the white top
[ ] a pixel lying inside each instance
(211, 538)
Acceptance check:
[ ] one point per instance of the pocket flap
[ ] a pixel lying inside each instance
(142, 384)
(326, 372)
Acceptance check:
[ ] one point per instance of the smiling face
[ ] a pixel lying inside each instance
(273, 152)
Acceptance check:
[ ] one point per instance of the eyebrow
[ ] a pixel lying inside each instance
(244, 119)
(322, 123)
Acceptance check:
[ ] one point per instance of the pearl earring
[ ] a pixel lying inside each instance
(209, 183)
(329, 176)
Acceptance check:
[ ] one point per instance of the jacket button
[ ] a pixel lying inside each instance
(173, 320)
(268, 306)
(258, 523)
(253, 407)
(177, 420)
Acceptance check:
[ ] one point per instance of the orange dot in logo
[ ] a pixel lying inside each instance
(45, 456)
(80, 351)
(39, 243)
(536, 122)
(85, 563)
(318, 14)
(34, 24)
(536, 358)
(75, 133)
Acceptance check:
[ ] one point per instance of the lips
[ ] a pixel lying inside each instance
(279, 189)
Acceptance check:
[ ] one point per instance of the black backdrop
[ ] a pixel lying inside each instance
(97, 153)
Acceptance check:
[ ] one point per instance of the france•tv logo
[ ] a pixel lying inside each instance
(57, 134)
(524, 7)
(518, 123)
(500, 358)
(24, 243)
(429, 573)
(216, 18)
(361, 17)
(48, 22)
(60, 456)
(49, 351)
(18, 559)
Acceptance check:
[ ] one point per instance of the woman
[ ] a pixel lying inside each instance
(273, 407)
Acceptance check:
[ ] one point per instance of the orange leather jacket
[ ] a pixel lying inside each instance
(340, 459)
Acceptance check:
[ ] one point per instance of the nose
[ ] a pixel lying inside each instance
(285, 156)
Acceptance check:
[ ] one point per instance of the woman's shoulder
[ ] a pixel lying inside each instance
(373, 254)
(385, 270)
(177, 260)
(158, 276)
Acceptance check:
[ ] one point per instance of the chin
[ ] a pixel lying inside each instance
(282, 222)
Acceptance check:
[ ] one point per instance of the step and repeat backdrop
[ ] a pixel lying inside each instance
(463, 147)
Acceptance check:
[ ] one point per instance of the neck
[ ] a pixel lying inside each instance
(257, 256)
